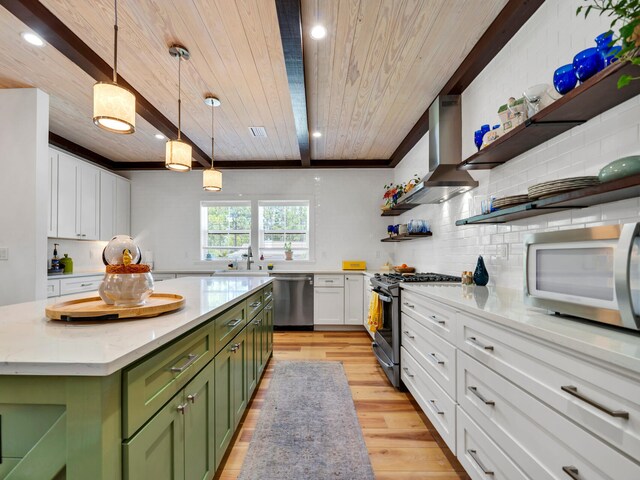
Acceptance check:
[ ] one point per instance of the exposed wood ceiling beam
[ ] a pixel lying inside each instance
(71, 147)
(290, 21)
(510, 19)
(33, 14)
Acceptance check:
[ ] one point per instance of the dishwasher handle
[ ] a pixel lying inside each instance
(293, 279)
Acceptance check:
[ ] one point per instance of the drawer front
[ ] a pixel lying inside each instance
(53, 288)
(150, 384)
(435, 403)
(69, 286)
(543, 443)
(480, 456)
(159, 277)
(543, 371)
(435, 355)
(328, 280)
(436, 316)
(267, 293)
(254, 304)
(228, 324)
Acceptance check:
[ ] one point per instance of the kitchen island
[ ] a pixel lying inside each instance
(148, 398)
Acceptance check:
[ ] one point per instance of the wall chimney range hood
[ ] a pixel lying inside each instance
(445, 152)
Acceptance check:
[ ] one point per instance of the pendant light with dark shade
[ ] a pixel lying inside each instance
(212, 178)
(178, 153)
(114, 107)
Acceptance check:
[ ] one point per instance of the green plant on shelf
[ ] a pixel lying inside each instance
(625, 18)
(287, 247)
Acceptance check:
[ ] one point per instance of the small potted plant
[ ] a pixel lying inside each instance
(288, 251)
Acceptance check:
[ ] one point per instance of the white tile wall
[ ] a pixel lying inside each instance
(548, 40)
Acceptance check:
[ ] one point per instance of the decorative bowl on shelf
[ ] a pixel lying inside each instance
(623, 167)
(587, 63)
(564, 79)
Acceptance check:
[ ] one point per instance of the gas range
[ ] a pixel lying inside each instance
(390, 279)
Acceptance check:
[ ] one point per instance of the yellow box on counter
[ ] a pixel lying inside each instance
(354, 265)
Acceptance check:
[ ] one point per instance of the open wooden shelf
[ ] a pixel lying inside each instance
(406, 236)
(595, 96)
(398, 209)
(613, 191)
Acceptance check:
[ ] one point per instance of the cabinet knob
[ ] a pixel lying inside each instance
(181, 408)
(192, 398)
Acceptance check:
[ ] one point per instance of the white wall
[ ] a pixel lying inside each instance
(24, 136)
(166, 217)
(549, 39)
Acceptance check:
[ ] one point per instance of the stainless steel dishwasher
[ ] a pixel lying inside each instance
(293, 297)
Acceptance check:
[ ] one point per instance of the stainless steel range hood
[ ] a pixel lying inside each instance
(445, 152)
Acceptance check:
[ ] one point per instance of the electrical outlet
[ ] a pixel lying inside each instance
(502, 251)
(4, 253)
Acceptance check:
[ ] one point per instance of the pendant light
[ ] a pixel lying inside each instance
(212, 178)
(178, 153)
(114, 107)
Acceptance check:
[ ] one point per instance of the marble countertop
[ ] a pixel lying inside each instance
(30, 344)
(84, 273)
(252, 273)
(506, 307)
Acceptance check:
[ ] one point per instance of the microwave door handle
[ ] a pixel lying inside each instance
(622, 274)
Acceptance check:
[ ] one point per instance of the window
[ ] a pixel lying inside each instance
(282, 223)
(226, 229)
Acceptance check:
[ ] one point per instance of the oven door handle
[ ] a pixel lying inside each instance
(382, 296)
(622, 274)
(374, 345)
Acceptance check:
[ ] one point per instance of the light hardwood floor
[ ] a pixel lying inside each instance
(402, 443)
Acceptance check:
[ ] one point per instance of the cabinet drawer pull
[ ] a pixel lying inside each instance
(182, 408)
(436, 359)
(192, 398)
(235, 347)
(328, 281)
(408, 374)
(473, 454)
(571, 390)
(475, 391)
(234, 323)
(407, 304)
(572, 472)
(474, 341)
(433, 317)
(408, 334)
(255, 304)
(191, 358)
(83, 235)
(86, 284)
(257, 322)
(268, 308)
(436, 410)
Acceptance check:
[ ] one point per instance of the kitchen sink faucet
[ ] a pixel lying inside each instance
(249, 258)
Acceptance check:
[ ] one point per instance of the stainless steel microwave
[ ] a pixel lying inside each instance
(592, 273)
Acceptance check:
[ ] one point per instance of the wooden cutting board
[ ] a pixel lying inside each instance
(94, 308)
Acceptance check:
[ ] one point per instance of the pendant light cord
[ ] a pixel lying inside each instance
(115, 44)
(213, 108)
(179, 96)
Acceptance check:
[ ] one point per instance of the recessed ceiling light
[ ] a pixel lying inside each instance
(316, 134)
(318, 32)
(159, 136)
(33, 39)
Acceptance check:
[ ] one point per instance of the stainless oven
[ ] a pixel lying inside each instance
(386, 344)
(592, 273)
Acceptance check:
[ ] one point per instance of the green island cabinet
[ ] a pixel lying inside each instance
(170, 415)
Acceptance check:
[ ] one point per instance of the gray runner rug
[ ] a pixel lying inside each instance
(308, 428)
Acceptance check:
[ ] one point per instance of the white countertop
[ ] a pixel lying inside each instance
(505, 306)
(235, 273)
(30, 344)
(84, 273)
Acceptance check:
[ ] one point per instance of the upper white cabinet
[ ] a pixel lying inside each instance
(115, 206)
(353, 298)
(52, 217)
(86, 202)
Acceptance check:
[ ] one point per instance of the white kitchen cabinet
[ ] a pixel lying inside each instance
(353, 293)
(115, 206)
(78, 199)
(53, 288)
(328, 306)
(52, 219)
(325, 280)
(80, 284)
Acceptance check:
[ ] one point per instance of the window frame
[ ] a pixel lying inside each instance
(204, 226)
(286, 202)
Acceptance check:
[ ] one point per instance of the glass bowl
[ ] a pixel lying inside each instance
(564, 79)
(126, 289)
(587, 63)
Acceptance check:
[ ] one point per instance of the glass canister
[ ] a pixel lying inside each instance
(126, 289)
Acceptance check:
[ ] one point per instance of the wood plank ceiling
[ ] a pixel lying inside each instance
(368, 82)
(380, 67)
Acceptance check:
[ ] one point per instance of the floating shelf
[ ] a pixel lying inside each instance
(595, 96)
(613, 191)
(398, 209)
(406, 236)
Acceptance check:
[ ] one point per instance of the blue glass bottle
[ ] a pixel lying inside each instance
(477, 138)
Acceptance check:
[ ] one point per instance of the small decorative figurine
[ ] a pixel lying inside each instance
(480, 275)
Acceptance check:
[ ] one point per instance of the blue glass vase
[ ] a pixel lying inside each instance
(480, 275)
(604, 43)
(587, 63)
(477, 138)
(611, 55)
(564, 79)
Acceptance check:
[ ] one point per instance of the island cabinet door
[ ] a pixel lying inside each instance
(239, 359)
(199, 444)
(267, 334)
(157, 450)
(224, 418)
(252, 364)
